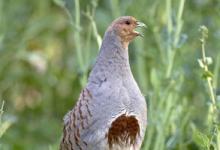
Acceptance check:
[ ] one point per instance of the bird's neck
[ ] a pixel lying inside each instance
(113, 48)
(113, 57)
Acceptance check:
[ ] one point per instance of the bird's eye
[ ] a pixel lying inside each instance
(127, 22)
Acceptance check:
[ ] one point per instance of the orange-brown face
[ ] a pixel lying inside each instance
(125, 28)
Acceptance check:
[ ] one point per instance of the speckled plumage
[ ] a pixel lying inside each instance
(111, 112)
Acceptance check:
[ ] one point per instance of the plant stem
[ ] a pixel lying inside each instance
(77, 34)
(173, 41)
(1, 111)
(78, 44)
(213, 112)
(209, 79)
(171, 56)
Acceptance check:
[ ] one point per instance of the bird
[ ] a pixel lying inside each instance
(111, 112)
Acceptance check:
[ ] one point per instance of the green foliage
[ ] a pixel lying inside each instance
(201, 139)
(47, 49)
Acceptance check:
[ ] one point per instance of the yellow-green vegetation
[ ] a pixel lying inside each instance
(47, 48)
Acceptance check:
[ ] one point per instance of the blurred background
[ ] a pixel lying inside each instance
(47, 48)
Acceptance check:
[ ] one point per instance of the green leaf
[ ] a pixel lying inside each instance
(3, 127)
(207, 74)
(60, 3)
(154, 78)
(201, 139)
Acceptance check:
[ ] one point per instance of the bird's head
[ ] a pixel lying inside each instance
(124, 27)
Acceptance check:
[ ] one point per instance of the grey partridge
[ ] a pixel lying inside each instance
(111, 112)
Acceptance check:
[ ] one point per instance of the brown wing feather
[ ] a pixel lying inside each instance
(75, 121)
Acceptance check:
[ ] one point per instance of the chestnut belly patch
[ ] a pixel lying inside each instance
(123, 131)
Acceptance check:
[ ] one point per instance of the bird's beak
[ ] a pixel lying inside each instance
(140, 24)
